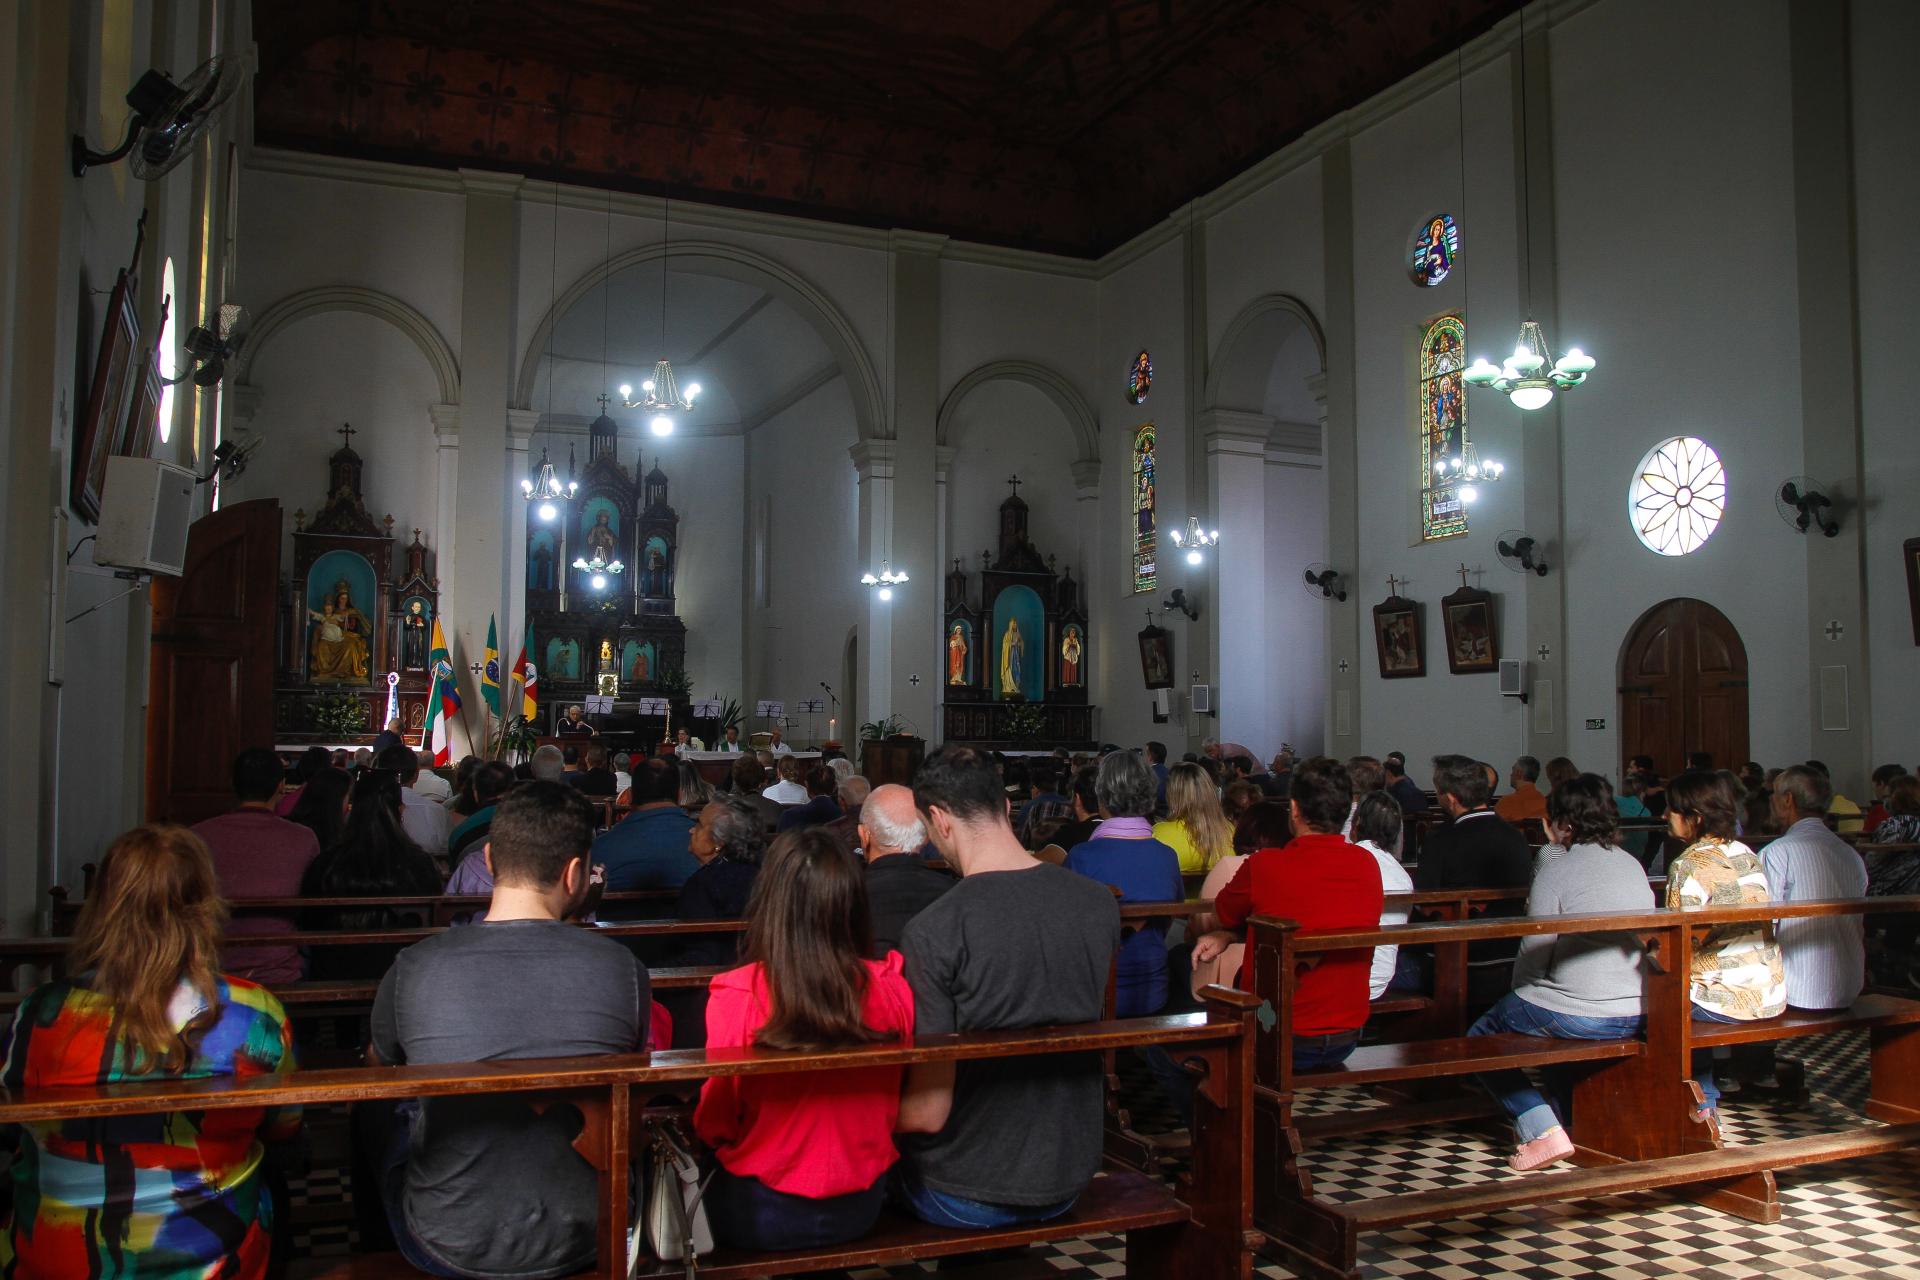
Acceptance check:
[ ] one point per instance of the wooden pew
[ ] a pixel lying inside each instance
(1632, 1123)
(1201, 1230)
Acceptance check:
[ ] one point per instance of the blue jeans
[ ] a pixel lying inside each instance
(1703, 1059)
(911, 1192)
(748, 1214)
(1531, 1113)
(393, 1186)
(1310, 1053)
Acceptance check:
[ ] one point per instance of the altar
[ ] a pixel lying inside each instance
(1016, 669)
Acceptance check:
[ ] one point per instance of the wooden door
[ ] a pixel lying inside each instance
(213, 660)
(1683, 687)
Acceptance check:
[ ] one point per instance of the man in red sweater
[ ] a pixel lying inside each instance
(1323, 882)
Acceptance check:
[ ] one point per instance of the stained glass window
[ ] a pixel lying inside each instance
(1678, 495)
(1139, 377)
(1443, 426)
(1435, 245)
(1145, 539)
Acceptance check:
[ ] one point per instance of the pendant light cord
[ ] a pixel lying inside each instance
(606, 302)
(553, 293)
(1526, 173)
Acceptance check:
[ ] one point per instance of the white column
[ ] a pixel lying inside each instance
(1086, 569)
(520, 427)
(446, 442)
(943, 514)
(1236, 449)
(914, 541)
(873, 459)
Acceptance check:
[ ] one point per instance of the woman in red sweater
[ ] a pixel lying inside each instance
(804, 1156)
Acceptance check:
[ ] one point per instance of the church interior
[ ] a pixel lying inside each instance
(1040, 378)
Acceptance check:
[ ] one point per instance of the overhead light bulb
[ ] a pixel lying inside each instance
(1194, 556)
(647, 385)
(886, 593)
(599, 581)
(1532, 397)
(548, 511)
(626, 391)
(693, 389)
(661, 425)
(1469, 494)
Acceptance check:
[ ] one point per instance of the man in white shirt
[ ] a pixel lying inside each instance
(424, 820)
(1825, 957)
(1376, 828)
(777, 743)
(788, 790)
(430, 784)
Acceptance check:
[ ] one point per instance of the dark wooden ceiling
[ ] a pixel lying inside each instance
(1064, 125)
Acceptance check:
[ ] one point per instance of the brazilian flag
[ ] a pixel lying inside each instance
(490, 674)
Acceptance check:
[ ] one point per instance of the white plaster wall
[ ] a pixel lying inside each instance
(1003, 429)
(1268, 242)
(1296, 623)
(1887, 191)
(1662, 255)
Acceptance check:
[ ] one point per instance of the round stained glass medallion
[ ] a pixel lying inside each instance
(1678, 495)
(1435, 245)
(1140, 378)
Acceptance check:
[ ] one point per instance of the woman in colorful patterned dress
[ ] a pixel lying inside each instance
(178, 1196)
(1738, 974)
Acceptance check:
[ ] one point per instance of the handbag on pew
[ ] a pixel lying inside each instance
(674, 1222)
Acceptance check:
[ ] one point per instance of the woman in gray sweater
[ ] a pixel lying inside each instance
(1581, 987)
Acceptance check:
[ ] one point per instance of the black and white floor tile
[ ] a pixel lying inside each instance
(1857, 1218)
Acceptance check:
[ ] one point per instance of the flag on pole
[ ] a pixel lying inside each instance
(490, 673)
(443, 702)
(525, 675)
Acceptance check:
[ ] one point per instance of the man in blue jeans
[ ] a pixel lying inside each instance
(1581, 987)
(1017, 943)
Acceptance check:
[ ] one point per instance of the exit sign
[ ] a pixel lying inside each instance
(1597, 724)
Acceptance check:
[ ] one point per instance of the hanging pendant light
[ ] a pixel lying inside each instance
(1469, 472)
(1195, 540)
(660, 395)
(543, 486)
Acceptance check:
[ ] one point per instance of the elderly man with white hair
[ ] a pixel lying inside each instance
(900, 885)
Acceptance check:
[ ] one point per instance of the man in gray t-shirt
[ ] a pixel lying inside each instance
(488, 1185)
(1017, 943)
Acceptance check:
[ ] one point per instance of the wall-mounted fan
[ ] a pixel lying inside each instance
(1803, 501)
(211, 345)
(168, 118)
(1520, 552)
(1325, 583)
(230, 456)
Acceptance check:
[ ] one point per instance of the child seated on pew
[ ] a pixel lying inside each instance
(804, 1156)
(1580, 987)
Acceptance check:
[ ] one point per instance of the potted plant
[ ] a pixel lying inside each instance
(339, 715)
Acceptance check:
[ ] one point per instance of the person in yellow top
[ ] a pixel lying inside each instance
(1525, 800)
(1847, 817)
(1195, 828)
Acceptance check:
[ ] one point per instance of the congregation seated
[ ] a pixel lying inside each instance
(462, 803)
(1877, 812)
(1043, 802)
(373, 858)
(727, 843)
(647, 849)
(1403, 789)
(803, 1156)
(491, 781)
(994, 1143)
(1324, 882)
(852, 795)
(1083, 815)
(310, 763)
(1525, 799)
(595, 778)
(1476, 850)
(1584, 986)
(1738, 974)
(1848, 818)
(451, 1171)
(1376, 828)
(1123, 854)
(1266, 825)
(788, 790)
(749, 779)
(425, 822)
(1897, 871)
(428, 784)
(900, 884)
(1825, 959)
(1365, 775)
(1195, 828)
(820, 806)
(695, 792)
(180, 1194)
(257, 854)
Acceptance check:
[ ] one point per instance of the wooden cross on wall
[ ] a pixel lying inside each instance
(346, 434)
(1014, 480)
(1393, 585)
(1463, 575)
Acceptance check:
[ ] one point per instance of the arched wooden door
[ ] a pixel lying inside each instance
(1683, 687)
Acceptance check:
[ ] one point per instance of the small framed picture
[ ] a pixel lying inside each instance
(1399, 639)
(1473, 646)
(116, 375)
(1156, 657)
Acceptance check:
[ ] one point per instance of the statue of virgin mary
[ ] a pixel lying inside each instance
(1013, 653)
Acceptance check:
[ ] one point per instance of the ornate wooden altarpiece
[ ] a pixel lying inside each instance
(1016, 668)
(625, 639)
(350, 614)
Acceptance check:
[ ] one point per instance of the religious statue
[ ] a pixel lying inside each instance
(542, 567)
(337, 653)
(957, 655)
(1070, 654)
(656, 572)
(1013, 654)
(606, 655)
(413, 636)
(642, 669)
(600, 540)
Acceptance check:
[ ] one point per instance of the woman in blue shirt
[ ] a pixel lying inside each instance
(1123, 854)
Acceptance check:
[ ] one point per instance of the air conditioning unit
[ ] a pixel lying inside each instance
(1202, 699)
(145, 508)
(1513, 678)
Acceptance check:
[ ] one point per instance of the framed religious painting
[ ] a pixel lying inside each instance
(143, 413)
(1473, 646)
(1156, 657)
(1398, 638)
(1910, 552)
(114, 383)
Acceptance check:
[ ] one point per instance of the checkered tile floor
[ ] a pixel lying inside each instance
(1858, 1218)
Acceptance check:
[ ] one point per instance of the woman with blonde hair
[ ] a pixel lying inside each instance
(180, 1194)
(1196, 827)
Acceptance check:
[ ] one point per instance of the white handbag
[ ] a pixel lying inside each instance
(675, 1222)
